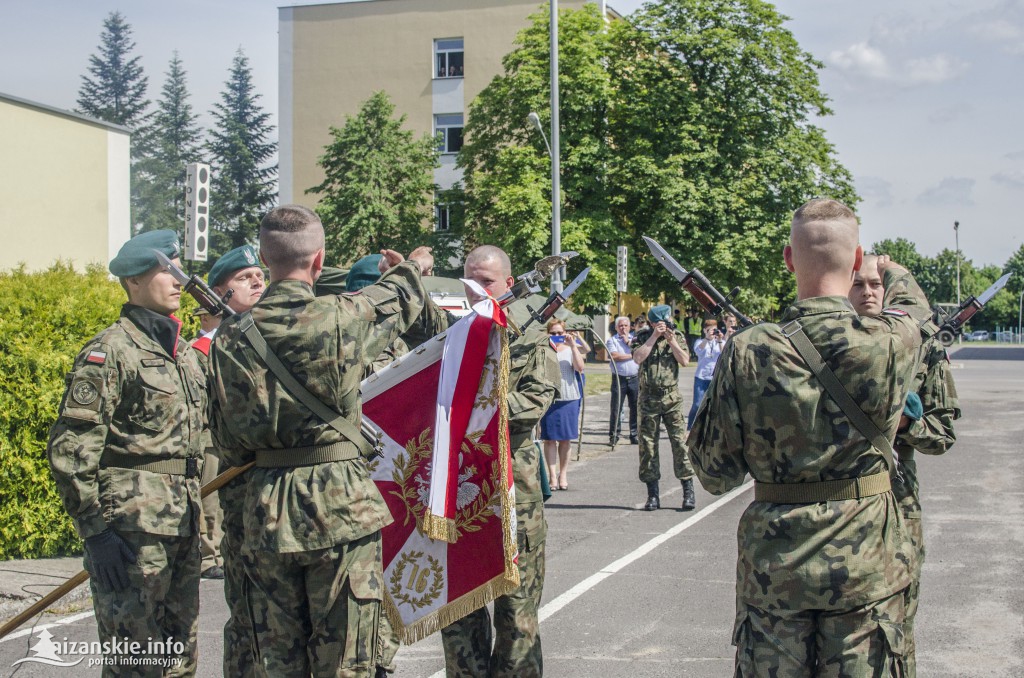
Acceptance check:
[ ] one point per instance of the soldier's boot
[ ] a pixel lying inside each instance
(653, 500)
(689, 498)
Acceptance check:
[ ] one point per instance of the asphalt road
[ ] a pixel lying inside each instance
(631, 593)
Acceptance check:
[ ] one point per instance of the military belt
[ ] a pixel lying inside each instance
(176, 467)
(287, 457)
(827, 490)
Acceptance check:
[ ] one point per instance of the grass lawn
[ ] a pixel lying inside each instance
(598, 383)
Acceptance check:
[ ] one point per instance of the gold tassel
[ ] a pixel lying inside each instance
(439, 528)
(510, 548)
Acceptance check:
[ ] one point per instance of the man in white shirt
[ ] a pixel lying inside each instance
(624, 380)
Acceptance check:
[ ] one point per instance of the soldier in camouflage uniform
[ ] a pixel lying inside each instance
(312, 515)
(533, 384)
(237, 278)
(659, 350)
(125, 454)
(926, 426)
(823, 560)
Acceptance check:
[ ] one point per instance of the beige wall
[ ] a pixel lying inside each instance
(64, 188)
(333, 57)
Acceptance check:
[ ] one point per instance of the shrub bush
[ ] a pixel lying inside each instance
(45, 319)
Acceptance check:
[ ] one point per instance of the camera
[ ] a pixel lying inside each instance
(557, 339)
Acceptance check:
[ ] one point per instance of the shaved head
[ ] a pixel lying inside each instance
(485, 253)
(824, 247)
(490, 268)
(290, 237)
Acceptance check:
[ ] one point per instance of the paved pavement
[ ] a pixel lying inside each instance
(631, 593)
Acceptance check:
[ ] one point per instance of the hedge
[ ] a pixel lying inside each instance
(45, 319)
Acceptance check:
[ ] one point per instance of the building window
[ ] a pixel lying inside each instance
(442, 214)
(448, 56)
(449, 127)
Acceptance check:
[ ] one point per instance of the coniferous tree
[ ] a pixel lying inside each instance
(116, 92)
(173, 140)
(240, 150)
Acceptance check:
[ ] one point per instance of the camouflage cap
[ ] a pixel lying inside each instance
(364, 272)
(245, 256)
(660, 314)
(138, 255)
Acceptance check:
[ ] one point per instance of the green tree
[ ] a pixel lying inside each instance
(903, 252)
(173, 140)
(507, 169)
(240, 150)
(116, 92)
(690, 123)
(715, 141)
(379, 187)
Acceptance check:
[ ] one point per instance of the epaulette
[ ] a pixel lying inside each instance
(203, 344)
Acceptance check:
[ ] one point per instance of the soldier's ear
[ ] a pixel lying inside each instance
(787, 255)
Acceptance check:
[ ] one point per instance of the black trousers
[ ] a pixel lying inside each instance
(623, 389)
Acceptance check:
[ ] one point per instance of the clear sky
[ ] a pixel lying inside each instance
(925, 93)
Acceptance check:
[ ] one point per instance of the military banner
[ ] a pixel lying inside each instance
(446, 475)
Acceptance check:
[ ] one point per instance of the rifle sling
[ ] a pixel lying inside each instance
(835, 388)
(347, 429)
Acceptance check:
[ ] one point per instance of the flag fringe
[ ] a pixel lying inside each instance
(450, 613)
(439, 528)
(505, 455)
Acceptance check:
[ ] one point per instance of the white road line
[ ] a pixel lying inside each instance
(35, 629)
(593, 580)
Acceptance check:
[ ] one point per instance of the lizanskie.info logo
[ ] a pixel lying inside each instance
(120, 652)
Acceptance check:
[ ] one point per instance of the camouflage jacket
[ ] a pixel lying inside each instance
(931, 434)
(533, 384)
(766, 415)
(327, 342)
(128, 395)
(659, 373)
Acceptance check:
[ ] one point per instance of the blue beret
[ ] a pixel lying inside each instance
(235, 260)
(364, 272)
(136, 256)
(660, 314)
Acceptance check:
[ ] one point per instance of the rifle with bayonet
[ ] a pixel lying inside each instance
(199, 290)
(951, 325)
(529, 283)
(699, 287)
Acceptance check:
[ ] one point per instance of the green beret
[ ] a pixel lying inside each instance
(364, 272)
(913, 408)
(137, 256)
(235, 260)
(660, 314)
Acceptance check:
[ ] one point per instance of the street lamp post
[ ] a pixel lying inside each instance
(1020, 313)
(956, 230)
(556, 207)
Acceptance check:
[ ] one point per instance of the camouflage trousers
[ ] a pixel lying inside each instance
(238, 645)
(161, 603)
(862, 642)
(654, 411)
(516, 636)
(210, 524)
(907, 491)
(316, 612)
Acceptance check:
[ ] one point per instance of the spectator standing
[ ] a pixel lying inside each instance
(692, 328)
(561, 423)
(624, 380)
(706, 349)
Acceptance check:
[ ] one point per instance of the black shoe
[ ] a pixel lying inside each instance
(633, 440)
(689, 499)
(612, 442)
(381, 673)
(653, 500)
(215, 572)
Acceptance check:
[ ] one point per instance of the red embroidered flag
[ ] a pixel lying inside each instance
(446, 475)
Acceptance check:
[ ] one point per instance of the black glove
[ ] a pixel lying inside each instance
(109, 553)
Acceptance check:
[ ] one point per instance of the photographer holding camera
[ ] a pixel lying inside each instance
(707, 349)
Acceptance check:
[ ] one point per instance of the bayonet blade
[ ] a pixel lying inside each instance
(993, 290)
(666, 259)
(567, 292)
(178, 274)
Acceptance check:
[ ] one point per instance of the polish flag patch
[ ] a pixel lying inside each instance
(96, 357)
(899, 313)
